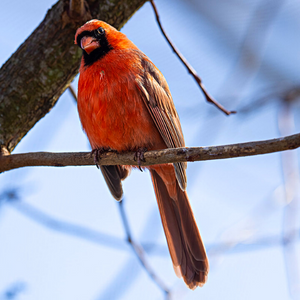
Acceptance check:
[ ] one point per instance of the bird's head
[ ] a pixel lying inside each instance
(96, 39)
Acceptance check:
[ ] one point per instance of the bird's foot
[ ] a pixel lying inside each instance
(139, 156)
(97, 154)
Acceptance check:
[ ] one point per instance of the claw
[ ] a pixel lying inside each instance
(97, 152)
(139, 156)
(96, 157)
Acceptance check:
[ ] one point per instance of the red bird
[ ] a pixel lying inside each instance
(125, 104)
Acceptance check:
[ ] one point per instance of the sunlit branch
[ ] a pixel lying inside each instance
(14, 161)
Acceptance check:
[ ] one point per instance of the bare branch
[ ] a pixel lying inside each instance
(139, 252)
(235, 246)
(65, 227)
(191, 70)
(44, 219)
(73, 93)
(14, 161)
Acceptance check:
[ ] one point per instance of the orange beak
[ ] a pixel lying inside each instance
(88, 44)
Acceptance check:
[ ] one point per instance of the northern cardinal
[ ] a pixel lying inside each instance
(125, 104)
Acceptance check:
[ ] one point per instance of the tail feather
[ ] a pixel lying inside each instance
(113, 176)
(184, 241)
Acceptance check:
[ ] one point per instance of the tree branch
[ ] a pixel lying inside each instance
(45, 64)
(73, 93)
(190, 69)
(14, 161)
(139, 251)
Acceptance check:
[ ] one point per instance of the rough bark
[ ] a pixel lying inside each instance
(15, 161)
(35, 76)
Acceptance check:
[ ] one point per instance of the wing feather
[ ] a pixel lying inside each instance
(157, 98)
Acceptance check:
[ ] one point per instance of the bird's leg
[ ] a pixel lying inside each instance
(139, 156)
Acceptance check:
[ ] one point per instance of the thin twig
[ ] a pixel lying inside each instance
(250, 59)
(73, 93)
(140, 252)
(191, 70)
(44, 219)
(12, 197)
(68, 228)
(289, 94)
(171, 155)
(231, 246)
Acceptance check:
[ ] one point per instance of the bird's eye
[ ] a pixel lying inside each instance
(100, 31)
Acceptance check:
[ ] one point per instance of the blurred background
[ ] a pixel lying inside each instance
(61, 233)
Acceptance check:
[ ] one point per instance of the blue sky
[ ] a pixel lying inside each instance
(239, 203)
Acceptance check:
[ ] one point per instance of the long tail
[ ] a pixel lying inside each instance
(183, 237)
